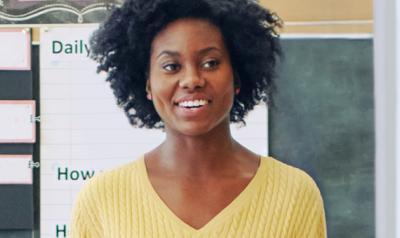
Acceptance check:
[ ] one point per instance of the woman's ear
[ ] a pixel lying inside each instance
(148, 90)
(236, 82)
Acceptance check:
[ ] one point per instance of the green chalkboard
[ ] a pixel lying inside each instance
(323, 123)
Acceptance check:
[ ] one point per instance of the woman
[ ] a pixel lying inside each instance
(191, 68)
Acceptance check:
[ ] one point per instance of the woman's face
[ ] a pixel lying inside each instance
(191, 78)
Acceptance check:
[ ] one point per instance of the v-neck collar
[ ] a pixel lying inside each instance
(239, 201)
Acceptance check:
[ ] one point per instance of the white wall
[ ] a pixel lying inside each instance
(397, 76)
(387, 126)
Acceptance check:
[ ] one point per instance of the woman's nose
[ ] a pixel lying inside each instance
(191, 79)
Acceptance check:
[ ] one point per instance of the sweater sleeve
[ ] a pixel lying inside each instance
(309, 218)
(85, 218)
(320, 226)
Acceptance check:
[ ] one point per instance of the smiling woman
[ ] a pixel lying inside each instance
(192, 68)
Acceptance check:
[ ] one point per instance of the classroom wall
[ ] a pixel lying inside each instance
(310, 17)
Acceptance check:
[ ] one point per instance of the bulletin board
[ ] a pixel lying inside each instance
(17, 133)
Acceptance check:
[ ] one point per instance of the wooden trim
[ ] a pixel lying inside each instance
(311, 10)
(328, 29)
(326, 11)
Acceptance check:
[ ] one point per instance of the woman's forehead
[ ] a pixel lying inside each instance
(188, 34)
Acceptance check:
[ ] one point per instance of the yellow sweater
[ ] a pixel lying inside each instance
(279, 202)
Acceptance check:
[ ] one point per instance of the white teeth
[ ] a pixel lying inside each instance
(195, 103)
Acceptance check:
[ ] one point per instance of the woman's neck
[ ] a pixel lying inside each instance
(200, 155)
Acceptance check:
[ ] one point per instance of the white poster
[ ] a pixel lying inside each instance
(17, 123)
(84, 132)
(15, 44)
(15, 169)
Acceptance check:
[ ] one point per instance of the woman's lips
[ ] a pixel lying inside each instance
(192, 98)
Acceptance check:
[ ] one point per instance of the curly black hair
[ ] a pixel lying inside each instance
(122, 45)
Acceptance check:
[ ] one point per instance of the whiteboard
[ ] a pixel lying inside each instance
(15, 49)
(16, 124)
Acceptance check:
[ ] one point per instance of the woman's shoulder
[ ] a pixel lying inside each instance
(301, 193)
(288, 175)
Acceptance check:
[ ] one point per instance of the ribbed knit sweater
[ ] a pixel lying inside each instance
(279, 202)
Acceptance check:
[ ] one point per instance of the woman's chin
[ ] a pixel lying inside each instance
(192, 130)
(198, 128)
(188, 128)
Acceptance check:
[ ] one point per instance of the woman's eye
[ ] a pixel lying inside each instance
(210, 64)
(171, 67)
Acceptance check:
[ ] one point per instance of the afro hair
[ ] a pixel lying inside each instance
(122, 44)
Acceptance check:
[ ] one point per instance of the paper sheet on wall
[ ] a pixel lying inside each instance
(15, 49)
(16, 124)
(14, 169)
(84, 132)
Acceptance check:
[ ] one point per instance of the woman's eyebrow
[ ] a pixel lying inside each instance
(177, 54)
(169, 53)
(208, 49)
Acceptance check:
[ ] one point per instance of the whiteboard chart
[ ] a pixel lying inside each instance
(83, 132)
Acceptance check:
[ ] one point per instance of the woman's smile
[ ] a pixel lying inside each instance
(193, 105)
(193, 109)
